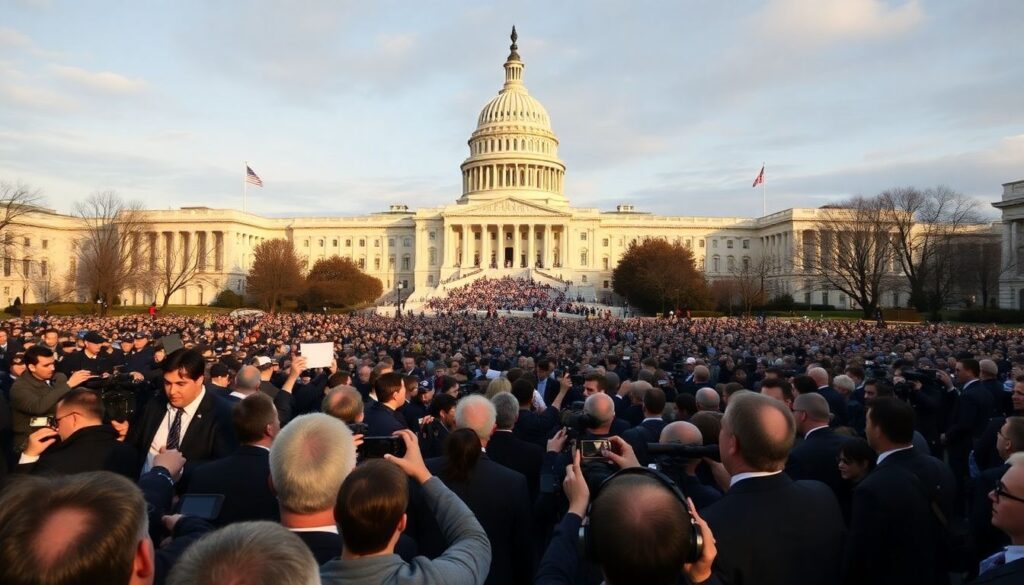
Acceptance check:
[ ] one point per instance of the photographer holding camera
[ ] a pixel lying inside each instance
(35, 393)
(78, 441)
(681, 463)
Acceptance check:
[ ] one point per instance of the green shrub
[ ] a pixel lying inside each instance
(229, 299)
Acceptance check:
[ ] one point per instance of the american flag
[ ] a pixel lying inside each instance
(757, 181)
(251, 177)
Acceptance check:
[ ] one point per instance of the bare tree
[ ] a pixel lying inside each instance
(750, 275)
(854, 251)
(276, 273)
(110, 246)
(924, 224)
(16, 200)
(183, 262)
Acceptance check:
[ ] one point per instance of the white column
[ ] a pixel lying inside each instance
(466, 258)
(546, 249)
(531, 245)
(485, 246)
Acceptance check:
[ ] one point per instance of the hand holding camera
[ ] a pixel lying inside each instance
(412, 461)
(39, 440)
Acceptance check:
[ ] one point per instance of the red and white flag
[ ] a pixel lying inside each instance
(252, 178)
(760, 178)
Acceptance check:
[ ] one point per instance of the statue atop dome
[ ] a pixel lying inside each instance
(514, 49)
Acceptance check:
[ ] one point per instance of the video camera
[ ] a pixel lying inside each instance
(576, 421)
(119, 393)
(680, 451)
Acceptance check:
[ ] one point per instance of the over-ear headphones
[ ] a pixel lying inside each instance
(696, 539)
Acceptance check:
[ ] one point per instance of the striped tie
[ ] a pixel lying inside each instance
(174, 435)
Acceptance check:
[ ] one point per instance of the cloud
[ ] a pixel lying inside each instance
(104, 82)
(10, 38)
(35, 98)
(816, 23)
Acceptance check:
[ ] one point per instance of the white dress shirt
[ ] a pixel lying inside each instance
(749, 474)
(160, 439)
(884, 454)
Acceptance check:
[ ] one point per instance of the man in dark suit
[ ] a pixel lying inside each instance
(248, 382)
(684, 471)
(898, 531)
(649, 429)
(184, 416)
(243, 477)
(836, 402)
(971, 412)
(381, 417)
(535, 427)
(512, 452)
(78, 442)
(766, 525)
(816, 456)
(91, 358)
(988, 372)
(1007, 567)
(497, 495)
(987, 539)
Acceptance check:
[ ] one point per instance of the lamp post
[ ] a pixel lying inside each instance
(398, 305)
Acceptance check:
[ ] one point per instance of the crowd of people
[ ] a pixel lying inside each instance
(466, 449)
(502, 294)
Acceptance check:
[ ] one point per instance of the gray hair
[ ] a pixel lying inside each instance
(601, 407)
(309, 460)
(476, 413)
(748, 418)
(814, 405)
(506, 408)
(708, 399)
(844, 383)
(254, 553)
(247, 378)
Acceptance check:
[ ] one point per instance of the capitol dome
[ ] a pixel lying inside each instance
(513, 151)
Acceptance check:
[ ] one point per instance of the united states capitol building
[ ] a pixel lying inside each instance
(513, 218)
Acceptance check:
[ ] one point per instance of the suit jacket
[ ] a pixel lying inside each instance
(1002, 401)
(895, 534)
(836, 405)
(970, 416)
(324, 545)
(381, 420)
(516, 454)
(210, 434)
(31, 397)
(1009, 574)
(987, 539)
(648, 431)
(500, 501)
(816, 458)
(93, 448)
(535, 427)
(765, 527)
(244, 479)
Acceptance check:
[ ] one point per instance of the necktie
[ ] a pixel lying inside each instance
(996, 560)
(174, 435)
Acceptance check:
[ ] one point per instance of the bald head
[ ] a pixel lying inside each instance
(681, 432)
(601, 407)
(819, 375)
(248, 379)
(757, 433)
(708, 399)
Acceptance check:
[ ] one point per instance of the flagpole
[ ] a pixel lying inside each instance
(764, 198)
(245, 185)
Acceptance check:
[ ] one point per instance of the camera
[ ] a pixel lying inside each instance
(378, 447)
(119, 394)
(358, 428)
(591, 449)
(41, 422)
(576, 421)
(680, 451)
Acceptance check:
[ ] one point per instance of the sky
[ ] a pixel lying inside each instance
(345, 107)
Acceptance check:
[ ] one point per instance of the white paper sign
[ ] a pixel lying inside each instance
(318, 355)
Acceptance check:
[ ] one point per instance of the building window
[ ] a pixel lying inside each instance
(405, 263)
(807, 298)
(432, 235)
(348, 243)
(583, 236)
(714, 243)
(405, 284)
(476, 236)
(604, 263)
(362, 264)
(321, 242)
(746, 263)
(376, 242)
(731, 263)
(7, 266)
(432, 255)
(746, 244)
(334, 243)
(606, 284)
(604, 242)
(584, 279)
(430, 279)
(42, 268)
(376, 263)
(305, 243)
(26, 267)
(391, 242)
(714, 264)
(46, 244)
(700, 243)
(391, 262)
(824, 297)
(583, 257)
(407, 242)
(362, 242)
(702, 265)
(728, 244)
(895, 299)
(28, 242)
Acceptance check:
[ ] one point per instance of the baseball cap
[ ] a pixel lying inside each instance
(691, 360)
(261, 361)
(93, 337)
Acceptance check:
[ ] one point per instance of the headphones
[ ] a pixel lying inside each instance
(586, 539)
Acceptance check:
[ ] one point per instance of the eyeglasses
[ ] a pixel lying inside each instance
(1001, 492)
(60, 418)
